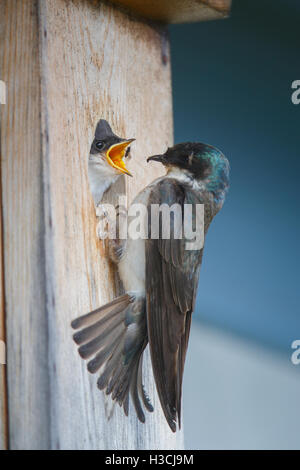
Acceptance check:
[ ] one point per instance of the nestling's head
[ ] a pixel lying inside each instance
(108, 150)
(199, 161)
(106, 162)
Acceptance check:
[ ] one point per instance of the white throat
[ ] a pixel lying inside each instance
(101, 176)
(185, 177)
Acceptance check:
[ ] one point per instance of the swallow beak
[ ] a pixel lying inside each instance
(115, 155)
(156, 158)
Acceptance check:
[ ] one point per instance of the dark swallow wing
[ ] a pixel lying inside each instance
(172, 274)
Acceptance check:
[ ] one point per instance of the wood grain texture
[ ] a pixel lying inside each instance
(67, 64)
(177, 11)
(3, 381)
(96, 62)
(23, 218)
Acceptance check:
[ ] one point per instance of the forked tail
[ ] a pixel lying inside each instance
(114, 337)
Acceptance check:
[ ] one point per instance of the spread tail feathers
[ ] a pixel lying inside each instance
(114, 337)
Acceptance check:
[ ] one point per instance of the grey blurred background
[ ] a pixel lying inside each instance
(232, 88)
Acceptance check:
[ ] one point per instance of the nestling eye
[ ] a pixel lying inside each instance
(99, 145)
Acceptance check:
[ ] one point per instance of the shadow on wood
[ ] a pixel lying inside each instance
(177, 11)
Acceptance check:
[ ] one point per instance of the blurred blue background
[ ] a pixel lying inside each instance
(232, 88)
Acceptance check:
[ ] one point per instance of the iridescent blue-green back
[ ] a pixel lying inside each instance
(217, 180)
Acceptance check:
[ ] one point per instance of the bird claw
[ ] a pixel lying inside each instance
(106, 225)
(101, 212)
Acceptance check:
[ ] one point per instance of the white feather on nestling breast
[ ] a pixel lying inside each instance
(132, 265)
(101, 176)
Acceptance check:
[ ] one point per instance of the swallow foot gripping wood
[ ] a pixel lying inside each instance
(66, 64)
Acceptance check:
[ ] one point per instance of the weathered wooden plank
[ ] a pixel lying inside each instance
(23, 217)
(3, 383)
(96, 62)
(3, 390)
(177, 11)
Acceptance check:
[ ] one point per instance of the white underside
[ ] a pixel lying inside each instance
(101, 176)
(132, 265)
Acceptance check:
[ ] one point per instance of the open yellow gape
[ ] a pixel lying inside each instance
(115, 155)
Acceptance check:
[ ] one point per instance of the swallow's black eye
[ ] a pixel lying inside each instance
(99, 145)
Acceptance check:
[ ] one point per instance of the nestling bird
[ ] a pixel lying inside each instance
(160, 278)
(106, 159)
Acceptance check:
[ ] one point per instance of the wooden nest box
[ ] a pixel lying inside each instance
(65, 64)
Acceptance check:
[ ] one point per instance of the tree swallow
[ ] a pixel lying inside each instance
(160, 278)
(106, 159)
